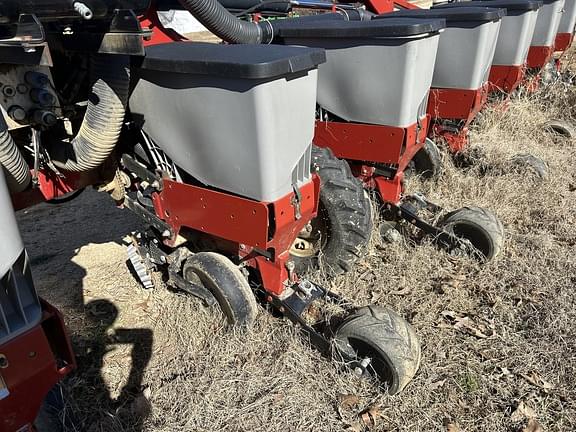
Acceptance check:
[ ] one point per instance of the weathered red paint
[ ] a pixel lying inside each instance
(456, 104)
(538, 56)
(563, 41)
(505, 78)
(36, 361)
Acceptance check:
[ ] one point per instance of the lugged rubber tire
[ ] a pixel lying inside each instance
(427, 163)
(345, 212)
(388, 339)
(479, 226)
(531, 162)
(228, 285)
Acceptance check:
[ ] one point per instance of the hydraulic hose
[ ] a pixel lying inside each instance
(225, 25)
(14, 166)
(102, 124)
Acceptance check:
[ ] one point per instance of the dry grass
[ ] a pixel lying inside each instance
(202, 378)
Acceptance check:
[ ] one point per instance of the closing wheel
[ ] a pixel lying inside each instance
(560, 127)
(224, 280)
(383, 343)
(340, 233)
(427, 163)
(532, 163)
(478, 226)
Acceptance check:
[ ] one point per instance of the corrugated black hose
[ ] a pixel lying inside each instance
(225, 25)
(102, 124)
(14, 166)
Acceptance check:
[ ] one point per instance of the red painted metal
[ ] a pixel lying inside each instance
(563, 41)
(274, 273)
(50, 186)
(505, 78)
(244, 224)
(36, 361)
(358, 141)
(159, 33)
(457, 140)
(403, 4)
(456, 104)
(373, 143)
(216, 213)
(538, 56)
(365, 144)
(390, 190)
(379, 6)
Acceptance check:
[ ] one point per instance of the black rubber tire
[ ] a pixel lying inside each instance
(560, 127)
(225, 281)
(388, 339)
(427, 163)
(345, 213)
(480, 227)
(532, 163)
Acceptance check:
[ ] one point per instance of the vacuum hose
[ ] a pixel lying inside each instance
(15, 167)
(226, 26)
(102, 124)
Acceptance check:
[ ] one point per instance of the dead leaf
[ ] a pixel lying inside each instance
(348, 401)
(536, 380)
(452, 427)
(463, 323)
(402, 291)
(354, 427)
(370, 415)
(437, 384)
(523, 411)
(533, 426)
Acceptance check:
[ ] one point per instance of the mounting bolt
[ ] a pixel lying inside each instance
(290, 266)
(3, 361)
(166, 234)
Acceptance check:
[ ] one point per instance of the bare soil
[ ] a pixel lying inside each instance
(499, 341)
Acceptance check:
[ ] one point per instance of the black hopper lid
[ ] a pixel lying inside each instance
(513, 7)
(455, 17)
(232, 61)
(401, 27)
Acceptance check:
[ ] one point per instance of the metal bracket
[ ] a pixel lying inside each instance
(29, 33)
(296, 200)
(148, 217)
(141, 171)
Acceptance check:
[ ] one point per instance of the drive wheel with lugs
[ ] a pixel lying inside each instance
(339, 235)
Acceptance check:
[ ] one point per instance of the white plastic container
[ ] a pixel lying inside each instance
(239, 118)
(547, 23)
(516, 28)
(466, 48)
(376, 72)
(568, 20)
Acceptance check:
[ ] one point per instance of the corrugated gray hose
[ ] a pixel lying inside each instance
(100, 130)
(14, 166)
(226, 26)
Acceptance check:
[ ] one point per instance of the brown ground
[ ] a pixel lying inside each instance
(499, 343)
